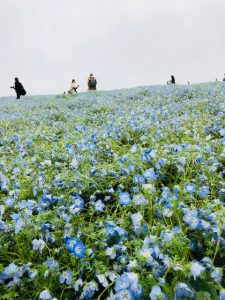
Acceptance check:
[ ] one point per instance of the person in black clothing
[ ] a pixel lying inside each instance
(172, 81)
(18, 87)
(92, 82)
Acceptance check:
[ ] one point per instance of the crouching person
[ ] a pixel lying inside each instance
(73, 87)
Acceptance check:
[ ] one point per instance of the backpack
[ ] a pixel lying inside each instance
(92, 82)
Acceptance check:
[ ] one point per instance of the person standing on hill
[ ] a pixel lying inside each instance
(73, 87)
(172, 81)
(18, 87)
(92, 83)
(224, 78)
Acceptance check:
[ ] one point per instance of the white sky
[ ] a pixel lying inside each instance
(125, 43)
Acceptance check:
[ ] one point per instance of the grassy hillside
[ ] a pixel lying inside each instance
(113, 195)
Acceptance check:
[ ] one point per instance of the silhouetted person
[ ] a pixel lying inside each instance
(224, 78)
(92, 83)
(73, 87)
(18, 87)
(172, 81)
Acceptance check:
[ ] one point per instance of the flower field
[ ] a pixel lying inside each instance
(114, 195)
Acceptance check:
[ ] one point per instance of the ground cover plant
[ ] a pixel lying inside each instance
(114, 195)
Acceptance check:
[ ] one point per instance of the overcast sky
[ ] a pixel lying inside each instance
(125, 43)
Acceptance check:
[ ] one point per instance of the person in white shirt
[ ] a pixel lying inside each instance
(73, 87)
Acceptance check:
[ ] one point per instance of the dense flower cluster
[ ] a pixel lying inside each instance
(114, 195)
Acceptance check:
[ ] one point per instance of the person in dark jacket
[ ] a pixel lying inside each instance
(18, 87)
(92, 83)
(172, 81)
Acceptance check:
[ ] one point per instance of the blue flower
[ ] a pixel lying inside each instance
(196, 269)
(124, 198)
(139, 199)
(156, 293)
(124, 295)
(38, 245)
(79, 249)
(183, 291)
(217, 275)
(45, 295)
(139, 179)
(190, 187)
(99, 205)
(66, 276)
(11, 271)
(150, 175)
(204, 191)
(51, 264)
(122, 282)
(222, 294)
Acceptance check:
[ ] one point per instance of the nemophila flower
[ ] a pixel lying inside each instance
(124, 295)
(135, 189)
(102, 279)
(190, 187)
(167, 212)
(148, 155)
(176, 188)
(181, 160)
(217, 275)
(18, 225)
(191, 218)
(77, 206)
(156, 293)
(176, 229)
(9, 202)
(139, 179)
(167, 235)
(136, 218)
(51, 263)
(133, 148)
(79, 249)
(139, 199)
(99, 206)
(196, 269)
(78, 283)
(111, 252)
(66, 277)
(45, 295)
(123, 282)
(222, 294)
(183, 291)
(11, 271)
(204, 191)
(136, 290)
(88, 290)
(111, 275)
(150, 175)
(124, 198)
(38, 245)
(160, 163)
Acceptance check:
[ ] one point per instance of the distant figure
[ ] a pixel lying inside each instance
(92, 83)
(172, 81)
(188, 82)
(73, 87)
(224, 78)
(18, 87)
